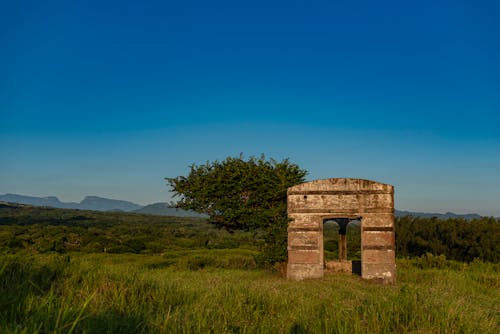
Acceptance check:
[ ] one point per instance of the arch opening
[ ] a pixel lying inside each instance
(342, 245)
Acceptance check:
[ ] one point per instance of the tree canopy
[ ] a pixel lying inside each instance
(238, 194)
(242, 194)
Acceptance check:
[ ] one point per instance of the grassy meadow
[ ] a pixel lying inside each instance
(221, 291)
(200, 280)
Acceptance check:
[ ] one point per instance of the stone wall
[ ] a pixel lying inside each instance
(311, 203)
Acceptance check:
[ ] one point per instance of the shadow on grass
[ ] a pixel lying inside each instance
(112, 321)
(21, 276)
(159, 265)
(298, 329)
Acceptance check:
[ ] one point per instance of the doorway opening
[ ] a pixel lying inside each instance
(342, 245)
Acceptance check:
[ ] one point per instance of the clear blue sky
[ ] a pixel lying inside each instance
(109, 97)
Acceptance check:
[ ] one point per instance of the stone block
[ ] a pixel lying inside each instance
(378, 238)
(382, 272)
(304, 256)
(303, 239)
(300, 272)
(378, 256)
(378, 220)
(305, 221)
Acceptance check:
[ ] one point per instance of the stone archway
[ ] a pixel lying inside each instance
(311, 203)
(342, 264)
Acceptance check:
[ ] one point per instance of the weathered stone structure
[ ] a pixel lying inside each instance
(312, 203)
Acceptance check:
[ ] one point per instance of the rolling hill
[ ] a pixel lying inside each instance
(164, 209)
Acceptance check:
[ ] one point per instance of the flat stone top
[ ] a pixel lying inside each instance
(341, 184)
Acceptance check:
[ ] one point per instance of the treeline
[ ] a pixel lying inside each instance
(457, 239)
(43, 230)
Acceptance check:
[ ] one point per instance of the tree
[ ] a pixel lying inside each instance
(240, 194)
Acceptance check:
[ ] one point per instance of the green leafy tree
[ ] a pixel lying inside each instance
(242, 194)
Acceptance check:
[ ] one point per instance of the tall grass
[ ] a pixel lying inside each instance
(220, 291)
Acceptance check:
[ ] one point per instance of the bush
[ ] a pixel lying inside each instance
(428, 261)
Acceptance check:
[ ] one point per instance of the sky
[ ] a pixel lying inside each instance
(108, 98)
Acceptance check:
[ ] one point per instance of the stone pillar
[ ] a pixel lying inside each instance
(342, 247)
(305, 247)
(342, 222)
(378, 259)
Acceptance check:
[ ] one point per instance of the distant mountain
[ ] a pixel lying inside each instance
(447, 215)
(101, 204)
(106, 204)
(164, 209)
(37, 201)
(88, 203)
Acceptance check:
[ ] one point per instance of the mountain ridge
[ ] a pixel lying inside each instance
(97, 203)
(88, 203)
(164, 209)
(468, 216)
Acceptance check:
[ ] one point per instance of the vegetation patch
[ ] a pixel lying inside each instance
(133, 293)
(184, 275)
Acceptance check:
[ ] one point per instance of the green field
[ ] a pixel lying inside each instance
(220, 291)
(67, 271)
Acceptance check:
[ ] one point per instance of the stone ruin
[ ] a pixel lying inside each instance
(343, 200)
